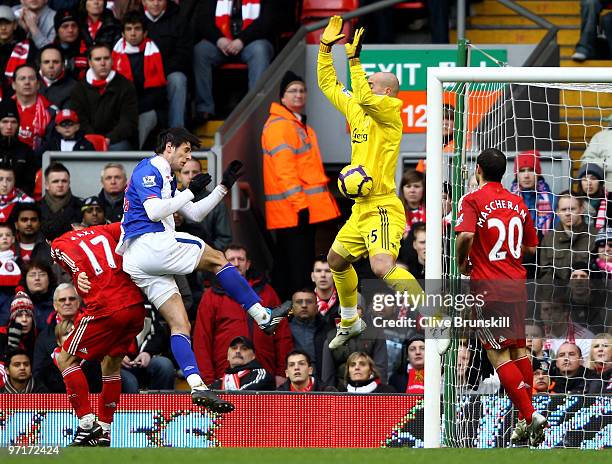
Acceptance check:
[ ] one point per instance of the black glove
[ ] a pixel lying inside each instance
(232, 174)
(14, 335)
(199, 183)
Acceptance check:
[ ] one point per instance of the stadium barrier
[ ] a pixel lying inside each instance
(300, 420)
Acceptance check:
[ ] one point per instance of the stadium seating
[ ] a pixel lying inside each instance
(316, 10)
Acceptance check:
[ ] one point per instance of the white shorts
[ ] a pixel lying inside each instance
(153, 259)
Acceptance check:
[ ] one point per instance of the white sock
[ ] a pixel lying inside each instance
(194, 380)
(105, 426)
(259, 313)
(86, 422)
(348, 313)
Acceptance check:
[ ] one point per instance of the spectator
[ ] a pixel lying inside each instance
(361, 375)
(529, 184)
(541, 377)
(412, 194)
(534, 339)
(59, 208)
(328, 304)
(114, 180)
(300, 374)
(570, 376)
(36, 19)
(35, 112)
(9, 194)
(166, 23)
(599, 151)
(592, 189)
(93, 213)
(410, 378)
(589, 21)
(308, 327)
(295, 183)
(569, 242)
(19, 375)
(448, 127)
(371, 341)
(20, 333)
(25, 163)
(10, 274)
(97, 23)
(559, 326)
(69, 41)
(55, 85)
(244, 371)
(603, 253)
(600, 359)
(39, 282)
(145, 366)
(13, 52)
(587, 295)
(106, 102)
(66, 304)
(137, 58)
(30, 243)
(67, 134)
(215, 228)
(221, 319)
(415, 260)
(231, 33)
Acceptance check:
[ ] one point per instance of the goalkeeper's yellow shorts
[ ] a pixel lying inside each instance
(376, 226)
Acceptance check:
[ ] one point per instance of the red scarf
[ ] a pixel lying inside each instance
(153, 66)
(92, 27)
(232, 381)
(323, 305)
(33, 121)
(10, 274)
(19, 56)
(99, 84)
(307, 388)
(414, 215)
(250, 12)
(7, 202)
(600, 222)
(416, 381)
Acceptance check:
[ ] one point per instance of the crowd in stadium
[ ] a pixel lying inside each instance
(80, 76)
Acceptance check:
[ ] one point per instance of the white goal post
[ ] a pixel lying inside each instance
(437, 78)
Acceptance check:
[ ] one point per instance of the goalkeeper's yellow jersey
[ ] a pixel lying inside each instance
(375, 122)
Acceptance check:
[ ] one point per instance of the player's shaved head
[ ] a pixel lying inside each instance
(384, 83)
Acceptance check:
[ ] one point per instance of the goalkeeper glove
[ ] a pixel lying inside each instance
(199, 183)
(14, 335)
(353, 49)
(333, 32)
(232, 174)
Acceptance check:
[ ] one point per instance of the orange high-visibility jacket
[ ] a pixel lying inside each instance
(294, 178)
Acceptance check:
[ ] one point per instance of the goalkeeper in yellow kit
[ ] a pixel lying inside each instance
(377, 221)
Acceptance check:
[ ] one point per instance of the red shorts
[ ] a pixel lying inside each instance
(94, 337)
(510, 316)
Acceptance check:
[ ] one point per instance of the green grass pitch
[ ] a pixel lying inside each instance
(309, 456)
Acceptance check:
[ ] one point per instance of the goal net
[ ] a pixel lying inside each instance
(546, 121)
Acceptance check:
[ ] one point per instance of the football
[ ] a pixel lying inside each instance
(354, 181)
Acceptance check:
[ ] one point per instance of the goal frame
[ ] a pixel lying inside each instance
(436, 78)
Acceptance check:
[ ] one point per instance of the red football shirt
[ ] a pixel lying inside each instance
(501, 224)
(92, 251)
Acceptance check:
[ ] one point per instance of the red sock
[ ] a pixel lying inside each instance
(77, 390)
(524, 365)
(109, 398)
(516, 388)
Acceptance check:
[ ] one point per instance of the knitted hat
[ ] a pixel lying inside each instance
(64, 15)
(592, 169)
(417, 337)
(289, 78)
(528, 159)
(21, 302)
(8, 109)
(540, 364)
(90, 202)
(604, 235)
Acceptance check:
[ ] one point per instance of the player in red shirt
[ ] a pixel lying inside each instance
(494, 229)
(113, 316)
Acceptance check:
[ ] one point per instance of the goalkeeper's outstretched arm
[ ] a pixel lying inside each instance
(335, 92)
